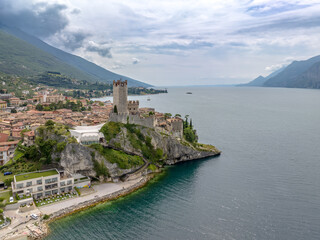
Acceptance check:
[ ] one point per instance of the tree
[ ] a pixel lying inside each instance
(13, 110)
(177, 115)
(186, 121)
(191, 126)
(167, 115)
(39, 107)
(50, 124)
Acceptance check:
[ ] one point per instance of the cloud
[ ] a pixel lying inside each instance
(39, 19)
(117, 65)
(73, 40)
(102, 50)
(135, 60)
(276, 67)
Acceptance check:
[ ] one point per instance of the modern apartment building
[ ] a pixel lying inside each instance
(42, 183)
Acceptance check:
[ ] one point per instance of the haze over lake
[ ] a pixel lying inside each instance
(265, 185)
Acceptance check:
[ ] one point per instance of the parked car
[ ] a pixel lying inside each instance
(7, 173)
(5, 187)
(34, 216)
(11, 199)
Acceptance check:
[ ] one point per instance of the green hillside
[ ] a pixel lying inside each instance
(21, 58)
(93, 72)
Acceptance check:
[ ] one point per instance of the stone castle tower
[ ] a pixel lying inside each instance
(120, 96)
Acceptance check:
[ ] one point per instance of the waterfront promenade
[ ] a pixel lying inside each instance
(22, 225)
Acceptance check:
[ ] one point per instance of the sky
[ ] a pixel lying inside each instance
(175, 42)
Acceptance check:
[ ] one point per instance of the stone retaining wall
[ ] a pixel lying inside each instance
(97, 200)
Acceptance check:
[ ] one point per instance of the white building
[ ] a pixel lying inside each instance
(87, 135)
(46, 183)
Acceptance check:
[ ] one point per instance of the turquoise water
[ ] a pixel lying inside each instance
(265, 185)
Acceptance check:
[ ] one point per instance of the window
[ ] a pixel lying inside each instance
(55, 179)
(47, 181)
(39, 181)
(69, 182)
(20, 185)
(40, 188)
(48, 193)
(62, 190)
(29, 184)
(62, 184)
(29, 190)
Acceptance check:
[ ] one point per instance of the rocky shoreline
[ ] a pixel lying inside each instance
(41, 228)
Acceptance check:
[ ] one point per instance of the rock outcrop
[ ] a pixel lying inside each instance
(78, 158)
(174, 150)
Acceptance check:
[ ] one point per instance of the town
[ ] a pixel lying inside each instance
(26, 196)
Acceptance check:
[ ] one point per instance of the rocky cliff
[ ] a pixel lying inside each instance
(137, 146)
(173, 150)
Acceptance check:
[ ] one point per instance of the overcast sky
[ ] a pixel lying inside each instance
(173, 42)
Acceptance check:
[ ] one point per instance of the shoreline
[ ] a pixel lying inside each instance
(92, 203)
(40, 229)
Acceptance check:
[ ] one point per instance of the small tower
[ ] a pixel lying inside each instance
(120, 96)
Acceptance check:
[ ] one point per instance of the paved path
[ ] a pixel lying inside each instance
(101, 190)
(21, 221)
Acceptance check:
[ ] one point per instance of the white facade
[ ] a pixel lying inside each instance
(43, 186)
(87, 134)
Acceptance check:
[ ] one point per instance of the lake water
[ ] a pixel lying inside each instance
(265, 185)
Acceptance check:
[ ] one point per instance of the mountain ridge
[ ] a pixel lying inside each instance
(298, 74)
(92, 71)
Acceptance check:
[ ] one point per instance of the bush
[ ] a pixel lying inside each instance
(46, 217)
(123, 160)
(8, 181)
(110, 130)
(61, 146)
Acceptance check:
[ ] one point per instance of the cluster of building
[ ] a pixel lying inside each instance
(14, 125)
(45, 98)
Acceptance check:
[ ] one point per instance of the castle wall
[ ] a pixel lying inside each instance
(177, 129)
(133, 107)
(133, 119)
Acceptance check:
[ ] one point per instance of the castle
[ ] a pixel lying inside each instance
(125, 111)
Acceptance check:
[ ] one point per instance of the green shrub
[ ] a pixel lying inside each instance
(124, 161)
(46, 217)
(110, 130)
(61, 146)
(152, 167)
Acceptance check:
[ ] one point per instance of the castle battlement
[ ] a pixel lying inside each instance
(133, 102)
(120, 83)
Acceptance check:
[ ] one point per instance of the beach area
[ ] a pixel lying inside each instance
(23, 227)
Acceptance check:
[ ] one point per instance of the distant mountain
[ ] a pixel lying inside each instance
(21, 58)
(299, 74)
(81, 68)
(259, 81)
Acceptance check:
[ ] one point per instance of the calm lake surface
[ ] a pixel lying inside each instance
(265, 185)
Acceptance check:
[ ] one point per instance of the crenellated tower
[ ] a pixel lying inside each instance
(120, 96)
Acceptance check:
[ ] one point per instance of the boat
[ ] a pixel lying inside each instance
(189, 92)
(148, 99)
